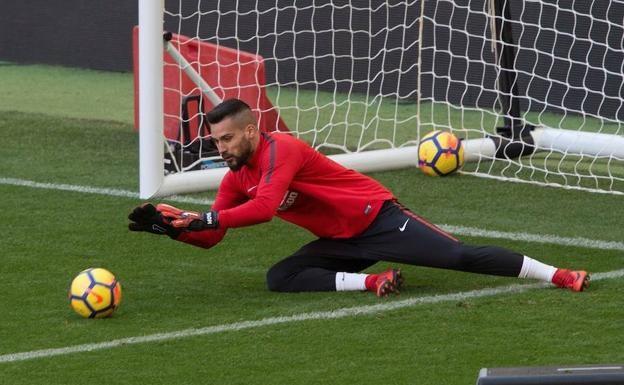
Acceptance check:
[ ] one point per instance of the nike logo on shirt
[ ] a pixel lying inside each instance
(402, 228)
(251, 188)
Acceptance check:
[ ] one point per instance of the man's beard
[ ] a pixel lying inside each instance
(240, 161)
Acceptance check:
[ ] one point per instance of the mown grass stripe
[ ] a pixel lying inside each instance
(456, 230)
(333, 314)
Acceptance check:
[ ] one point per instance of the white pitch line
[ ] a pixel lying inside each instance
(539, 238)
(325, 315)
(97, 190)
(457, 230)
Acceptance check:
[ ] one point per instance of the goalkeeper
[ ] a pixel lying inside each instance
(358, 221)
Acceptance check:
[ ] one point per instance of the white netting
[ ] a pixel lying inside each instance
(342, 74)
(347, 75)
(568, 65)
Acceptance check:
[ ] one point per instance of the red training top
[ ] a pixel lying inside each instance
(287, 178)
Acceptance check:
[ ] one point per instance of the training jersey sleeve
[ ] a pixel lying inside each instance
(279, 162)
(229, 195)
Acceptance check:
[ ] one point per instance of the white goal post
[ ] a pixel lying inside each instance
(364, 80)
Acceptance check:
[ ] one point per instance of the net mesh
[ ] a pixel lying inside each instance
(350, 76)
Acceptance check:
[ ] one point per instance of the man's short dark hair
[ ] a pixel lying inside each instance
(226, 108)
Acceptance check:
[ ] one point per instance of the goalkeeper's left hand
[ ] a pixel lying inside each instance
(188, 220)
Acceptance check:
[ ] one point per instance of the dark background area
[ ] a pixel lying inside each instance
(574, 49)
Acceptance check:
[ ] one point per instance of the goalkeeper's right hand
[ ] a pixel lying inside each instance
(147, 218)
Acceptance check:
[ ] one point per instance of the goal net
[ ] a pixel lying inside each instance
(534, 89)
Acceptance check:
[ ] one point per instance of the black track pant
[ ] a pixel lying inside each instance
(396, 235)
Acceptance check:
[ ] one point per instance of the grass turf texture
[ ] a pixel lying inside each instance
(49, 236)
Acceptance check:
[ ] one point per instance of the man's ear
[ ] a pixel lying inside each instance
(251, 130)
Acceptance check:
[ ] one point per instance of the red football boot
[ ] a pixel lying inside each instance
(570, 279)
(382, 284)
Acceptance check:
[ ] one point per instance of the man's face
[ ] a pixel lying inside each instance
(233, 140)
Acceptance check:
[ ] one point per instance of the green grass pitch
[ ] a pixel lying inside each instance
(68, 126)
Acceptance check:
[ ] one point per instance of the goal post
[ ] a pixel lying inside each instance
(534, 89)
(150, 89)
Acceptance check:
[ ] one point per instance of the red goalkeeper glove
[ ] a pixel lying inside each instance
(188, 220)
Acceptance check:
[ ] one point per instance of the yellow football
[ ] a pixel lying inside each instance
(95, 293)
(440, 153)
